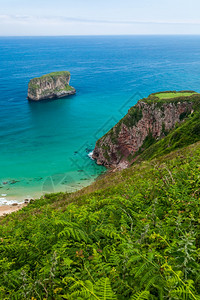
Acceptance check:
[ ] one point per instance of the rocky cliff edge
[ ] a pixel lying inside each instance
(148, 121)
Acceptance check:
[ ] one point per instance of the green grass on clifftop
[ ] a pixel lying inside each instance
(133, 234)
(171, 95)
(56, 74)
(50, 76)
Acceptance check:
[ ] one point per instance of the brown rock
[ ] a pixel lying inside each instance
(128, 136)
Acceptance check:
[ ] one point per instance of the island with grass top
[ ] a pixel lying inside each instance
(50, 86)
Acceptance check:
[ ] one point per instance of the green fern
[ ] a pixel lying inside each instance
(144, 295)
(87, 290)
(103, 290)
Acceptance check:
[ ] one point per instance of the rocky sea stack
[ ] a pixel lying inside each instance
(151, 120)
(50, 86)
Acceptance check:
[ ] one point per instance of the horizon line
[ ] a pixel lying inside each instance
(107, 35)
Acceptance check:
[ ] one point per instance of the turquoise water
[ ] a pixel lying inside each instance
(44, 146)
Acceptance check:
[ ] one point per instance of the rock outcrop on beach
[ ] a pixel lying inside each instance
(50, 86)
(148, 121)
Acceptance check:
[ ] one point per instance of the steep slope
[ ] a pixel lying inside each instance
(133, 234)
(149, 121)
(185, 134)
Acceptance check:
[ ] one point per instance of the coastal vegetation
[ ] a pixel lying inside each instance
(174, 94)
(133, 234)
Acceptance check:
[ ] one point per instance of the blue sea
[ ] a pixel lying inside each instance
(44, 146)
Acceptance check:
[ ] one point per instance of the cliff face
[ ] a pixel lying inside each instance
(145, 123)
(53, 85)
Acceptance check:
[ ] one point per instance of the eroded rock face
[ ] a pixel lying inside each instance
(143, 120)
(53, 85)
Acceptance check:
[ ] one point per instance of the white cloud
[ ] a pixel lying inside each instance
(27, 19)
(31, 25)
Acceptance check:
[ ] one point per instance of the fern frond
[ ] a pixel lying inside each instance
(151, 281)
(75, 234)
(104, 290)
(110, 233)
(144, 295)
(141, 269)
(181, 293)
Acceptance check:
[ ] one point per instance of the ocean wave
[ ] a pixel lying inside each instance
(4, 201)
(90, 155)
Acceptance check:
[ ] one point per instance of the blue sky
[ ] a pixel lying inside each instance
(87, 17)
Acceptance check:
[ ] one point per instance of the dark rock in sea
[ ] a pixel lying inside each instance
(88, 150)
(50, 86)
(37, 179)
(13, 181)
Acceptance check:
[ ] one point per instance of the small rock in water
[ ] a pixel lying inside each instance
(88, 150)
(14, 181)
(38, 179)
(14, 204)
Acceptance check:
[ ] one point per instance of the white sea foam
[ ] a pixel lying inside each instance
(4, 201)
(90, 155)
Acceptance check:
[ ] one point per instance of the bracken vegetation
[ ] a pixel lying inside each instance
(133, 234)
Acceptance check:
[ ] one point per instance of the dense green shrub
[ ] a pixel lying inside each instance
(134, 234)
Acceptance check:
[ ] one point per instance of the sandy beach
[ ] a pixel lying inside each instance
(8, 209)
